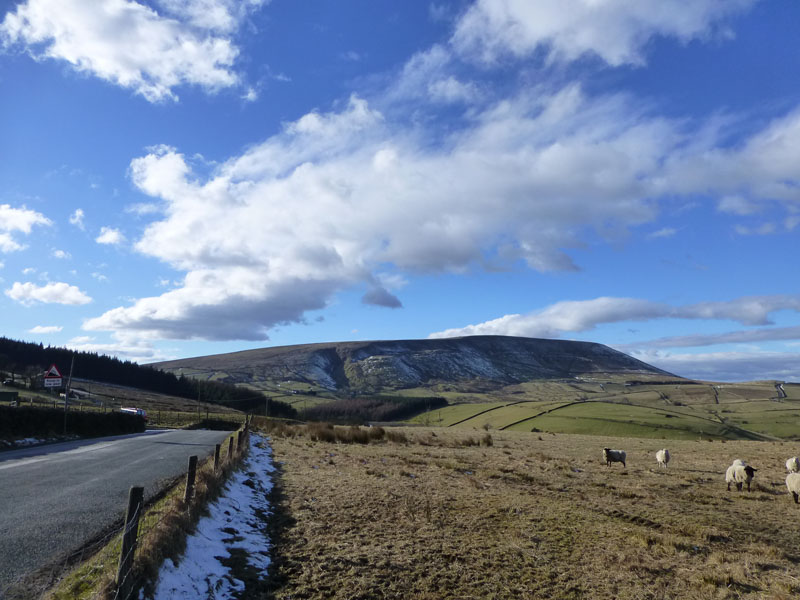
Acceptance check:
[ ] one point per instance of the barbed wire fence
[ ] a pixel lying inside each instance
(147, 522)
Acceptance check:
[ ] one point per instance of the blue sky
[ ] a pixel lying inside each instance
(189, 177)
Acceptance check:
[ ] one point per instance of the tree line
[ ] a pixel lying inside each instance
(28, 361)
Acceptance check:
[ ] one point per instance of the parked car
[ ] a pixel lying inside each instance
(135, 411)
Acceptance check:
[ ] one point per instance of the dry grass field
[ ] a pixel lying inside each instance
(533, 515)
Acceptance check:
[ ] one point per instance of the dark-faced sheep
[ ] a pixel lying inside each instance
(612, 456)
(739, 475)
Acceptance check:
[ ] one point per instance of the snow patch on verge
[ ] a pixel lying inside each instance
(235, 522)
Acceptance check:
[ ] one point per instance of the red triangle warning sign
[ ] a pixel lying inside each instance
(52, 372)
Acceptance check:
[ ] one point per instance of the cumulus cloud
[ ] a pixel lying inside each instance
(110, 236)
(132, 45)
(337, 196)
(61, 254)
(17, 220)
(616, 31)
(585, 315)
(51, 293)
(45, 329)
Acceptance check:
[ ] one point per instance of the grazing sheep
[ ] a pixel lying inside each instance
(793, 465)
(612, 456)
(793, 483)
(662, 456)
(738, 474)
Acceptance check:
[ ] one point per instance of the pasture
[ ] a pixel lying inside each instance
(689, 411)
(453, 513)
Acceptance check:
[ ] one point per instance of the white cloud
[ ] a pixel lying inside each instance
(524, 181)
(763, 229)
(76, 219)
(585, 315)
(138, 350)
(132, 45)
(251, 95)
(450, 89)
(617, 31)
(17, 220)
(761, 170)
(737, 205)
(51, 293)
(665, 232)
(747, 336)
(110, 236)
(727, 366)
(45, 329)
(61, 254)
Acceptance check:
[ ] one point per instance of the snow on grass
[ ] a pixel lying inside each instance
(235, 523)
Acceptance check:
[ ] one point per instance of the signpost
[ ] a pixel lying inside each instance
(52, 377)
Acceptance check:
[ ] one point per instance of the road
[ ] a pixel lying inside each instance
(55, 498)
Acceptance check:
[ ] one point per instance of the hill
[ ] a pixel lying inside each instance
(468, 364)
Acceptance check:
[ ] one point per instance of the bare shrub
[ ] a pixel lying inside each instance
(396, 437)
(487, 441)
(352, 435)
(321, 432)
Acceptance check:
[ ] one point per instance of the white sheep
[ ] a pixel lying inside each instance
(662, 456)
(739, 474)
(793, 465)
(612, 456)
(793, 483)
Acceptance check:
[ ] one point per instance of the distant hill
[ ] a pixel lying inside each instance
(380, 366)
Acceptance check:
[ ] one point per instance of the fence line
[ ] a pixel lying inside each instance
(146, 522)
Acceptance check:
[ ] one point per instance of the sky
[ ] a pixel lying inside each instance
(189, 177)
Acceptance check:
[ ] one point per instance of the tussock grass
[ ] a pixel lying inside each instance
(527, 517)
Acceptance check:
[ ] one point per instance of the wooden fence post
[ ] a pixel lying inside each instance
(124, 578)
(217, 448)
(238, 441)
(190, 474)
(230, 448)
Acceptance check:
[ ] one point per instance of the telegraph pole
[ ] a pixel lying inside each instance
(66, 395)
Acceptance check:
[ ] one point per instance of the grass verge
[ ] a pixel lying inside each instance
(162, 534)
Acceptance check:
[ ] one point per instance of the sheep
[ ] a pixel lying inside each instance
(739, 462)
(793, 483)
(662, 456)
(612, 456)
(793, 465)
(739, 474)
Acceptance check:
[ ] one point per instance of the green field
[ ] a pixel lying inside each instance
(698, 410)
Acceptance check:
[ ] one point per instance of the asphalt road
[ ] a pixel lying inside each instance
(55, 498)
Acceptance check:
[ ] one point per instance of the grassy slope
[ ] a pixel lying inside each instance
(533, 516)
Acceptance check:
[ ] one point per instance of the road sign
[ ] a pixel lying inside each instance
(52, 377)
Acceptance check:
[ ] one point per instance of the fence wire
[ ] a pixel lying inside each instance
(100, 557)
